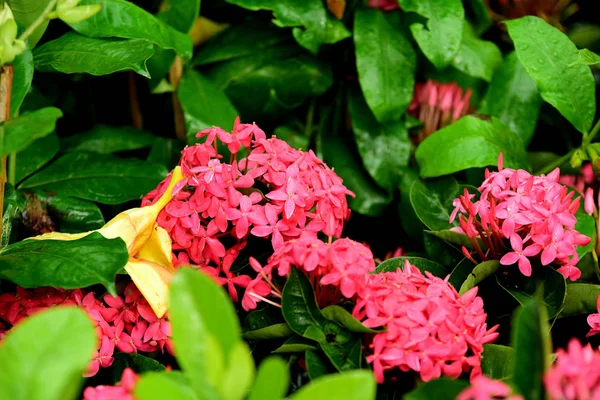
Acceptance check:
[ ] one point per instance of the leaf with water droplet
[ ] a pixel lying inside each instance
(586, 57)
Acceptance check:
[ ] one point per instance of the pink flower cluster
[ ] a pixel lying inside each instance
(484, 388)
(430, 329)
(438, 105)
(575, 375)
(535, 214)
(276, 192)
(593, 320)
(126, 323)
(121, 391)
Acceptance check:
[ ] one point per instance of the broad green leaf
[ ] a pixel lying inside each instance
(310, 14)
(546, 54)
(293, 137)
(16, 134)
(384, 147)
(106, 139)
(73, 215)
(263, 317)
(26, 12)
(68, 264)
(341, 316)
(423, 264)
(35, 156)
(299, 305)
(203, 104)
(432, 201)
(477, 58)
(75, 53)
(239, 374)
(498, 361)
(586, 224)
(163, 385)
(317, 364)
(344, 352)
(530, 337)
(136, 362)
(513, 98)
(351, 385)
(23, 75)
(296, 344)
(123, 19)
(550, 282)
(438, 389)
(95, 177)
(180, 14)
(440, 40)
(165, 151)
(581, 299)
(470, 142)
(455, 238)
(276, 331)
(44, 357)
(461, 272)
(411, 224)
(479, 273)
(386, 63)
(437, 248)
(586, 57)
(205, 329)
(272, 380)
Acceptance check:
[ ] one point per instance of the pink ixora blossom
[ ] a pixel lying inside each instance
(575, 375)
(519, 218)
(121, 391)
(430, 329)
(593, 320)
(484, 388)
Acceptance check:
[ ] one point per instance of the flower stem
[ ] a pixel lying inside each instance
(39, 21)
(594, 131)
(556, 163)
(6, 81)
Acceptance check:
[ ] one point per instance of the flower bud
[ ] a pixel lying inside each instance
(578, 157)
(78, 14)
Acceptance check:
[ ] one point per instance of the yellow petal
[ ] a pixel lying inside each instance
(153, 281)
(158, 249)
(60, 236)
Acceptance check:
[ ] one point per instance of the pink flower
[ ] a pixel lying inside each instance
(484, 388)
(593, 320)
(518, 255)
(121, 391)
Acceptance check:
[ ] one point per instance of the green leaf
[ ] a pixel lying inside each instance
(29, 354)
(276, 331)
(461, 272)
(205, 328)
(135, 361)
(104, 179)
(317, 365)
(166, 151)
(35, 156)
(163, 385)
(203, 104)
(351, 385)
(423, 264)
(513, 98)
(23, 75)
(26, 12)
(530, 337)
(380, 41)
(482, 19)
(292, 136)
(296, 344)
(432, 201)
(73, 215)
(345, 354)
(75, 53)
(16, 134)
(341, 316)
(439, 389)
(67, 264)
(479, 273)
(106, 139)
(272, 380)
(384, 148)
(546, 279)
(477, 58)
(546, 54)
(180, 14)
(497, 361)
(440, 40)
(455, 238)
(310, 14)
(123, 19)
(299, 305)
(470, 142)
(586, 57)
(582, 298)
(239, 375)
(586, 225)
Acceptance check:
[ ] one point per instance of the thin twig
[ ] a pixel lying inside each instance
(134, 103)
(175, 74)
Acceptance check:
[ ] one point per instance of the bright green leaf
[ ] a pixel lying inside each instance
(586, 225)
(180, 14)
(164, 385)
(582, 298)
(106, 139)
(477, 58)
(239, 374)
(341, 316)
(479, 273)
(497, 361)
(16, 134)
(26, 12)
(272, 380)
(23, 75)
(351, 385)
(586, 57)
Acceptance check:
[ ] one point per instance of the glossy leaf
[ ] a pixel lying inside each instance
(73, 215)
(72, 264)
(104, 179)
(461, 272)
(35, 156)
(384, 147)
(123, 19)
(106, 139)
(136, 362)
(477, 58)
(22, 77)
(586, 224)
(203, 104)
(296, 344)
(423, 264)
(546, 54)
(352, 385)
(272, 380)
(440, 40)
(530, 338)
(439, 389)
(581, 299)
(26, 12)
(299, 305)
(44, 357)
(20, 132)
(317, 364)
(165, 151)
(269, 332)
(180, 14)
(586, 57)
(471, 142)
(432, 201)
(479, 273)
(455, 238)
(75, 53)
(163, 385)
(346, 354)
(497, 361)
(379, 41)
(344, 318)
(513, 97)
